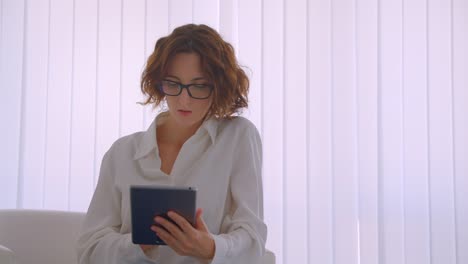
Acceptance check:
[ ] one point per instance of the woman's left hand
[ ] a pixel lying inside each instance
(186, 240)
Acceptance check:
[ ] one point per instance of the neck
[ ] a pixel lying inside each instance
(172, 132)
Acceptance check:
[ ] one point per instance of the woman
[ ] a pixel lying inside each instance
(198, 142)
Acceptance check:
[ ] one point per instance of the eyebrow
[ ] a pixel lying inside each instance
(194, 79)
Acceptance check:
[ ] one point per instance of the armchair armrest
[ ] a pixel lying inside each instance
(6, 255)
(269, 258)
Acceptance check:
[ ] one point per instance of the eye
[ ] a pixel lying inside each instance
(200, 86)
(171, 84)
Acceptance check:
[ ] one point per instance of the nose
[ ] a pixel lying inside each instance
(184, 96)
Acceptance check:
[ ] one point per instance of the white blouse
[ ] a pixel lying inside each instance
(223, 160)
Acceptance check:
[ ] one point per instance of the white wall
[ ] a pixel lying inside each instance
(361, 105)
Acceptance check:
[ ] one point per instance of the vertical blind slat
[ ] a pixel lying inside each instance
(460, 95)
(11, 76)
(157, 25)
(391, 220)
(367, 122)
(180, 13)
(295, 152)
(11, 64)
(440, 133)
(206, 12)
(273, 153)
(320, 161)
(58, 105)
(228, 24)
(83, 105)
(249, 54)
(344, 133)
(132, 65)
(415, 137)
(35, 103)
(108, 99)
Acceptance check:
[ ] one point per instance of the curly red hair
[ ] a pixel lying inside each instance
(218, 61)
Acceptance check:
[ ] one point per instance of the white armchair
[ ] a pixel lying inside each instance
(34, 236)
(45, 237)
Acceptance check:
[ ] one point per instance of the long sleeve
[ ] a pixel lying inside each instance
(246, 232)
(100, 240)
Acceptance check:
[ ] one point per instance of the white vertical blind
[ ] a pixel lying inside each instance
(83, 104)
(11, 75)
(361, 106)
(391, 159)
(32, 145)
(108, 78)
(459, 24)
(273, 153)
(441, 177)
(367, 103)
(415, 123)
(319, 103)
(294, 139)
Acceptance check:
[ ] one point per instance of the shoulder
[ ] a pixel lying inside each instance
(237, 128)
(126, 146)
(238, 124)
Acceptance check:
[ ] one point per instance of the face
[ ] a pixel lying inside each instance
(185, 68)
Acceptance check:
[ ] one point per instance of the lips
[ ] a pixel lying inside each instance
(184, 112)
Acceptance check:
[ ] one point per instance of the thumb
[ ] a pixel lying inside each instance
(199, 222)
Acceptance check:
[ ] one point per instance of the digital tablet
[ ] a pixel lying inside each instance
(149, 201)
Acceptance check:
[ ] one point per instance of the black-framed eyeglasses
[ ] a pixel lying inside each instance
(195, 90)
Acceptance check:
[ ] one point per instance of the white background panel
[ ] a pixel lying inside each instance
(344, 133)
(228, 21)
(415, 123)
(391, 194)
(108, 79)
(180, 13)
(295, 184)
(57, 156)
(273, 114)
(367, 122)
(83, 118)
(460, 95)
(157, 26)
(133, 57)
(206, 12)
(250, 55)
(11, 76)
(361, 106)
(320, 236)
(440, 133)
(34, 105)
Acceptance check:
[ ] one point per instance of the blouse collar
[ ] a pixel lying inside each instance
(148, 142)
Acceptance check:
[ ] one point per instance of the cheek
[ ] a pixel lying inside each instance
(206, 106)
(170, 101)
(202, 108)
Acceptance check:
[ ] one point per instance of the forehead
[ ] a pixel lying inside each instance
(185, 65)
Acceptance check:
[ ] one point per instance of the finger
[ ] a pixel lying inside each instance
(169, 239)
(164, 235)
(199, 222)
(181, 222)
(170, 227)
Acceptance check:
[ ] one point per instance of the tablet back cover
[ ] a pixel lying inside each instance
(148, 202)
